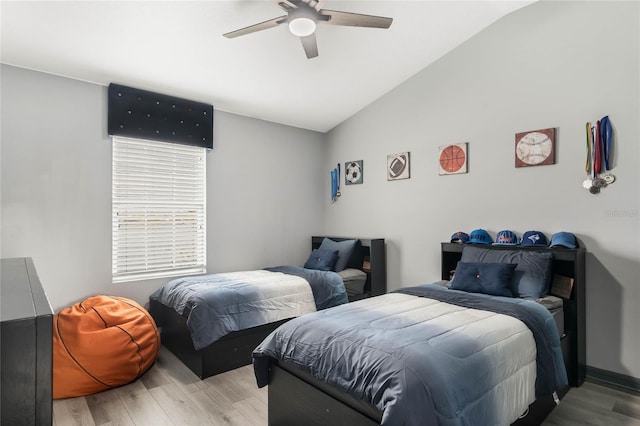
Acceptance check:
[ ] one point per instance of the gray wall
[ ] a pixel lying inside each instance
(56, 188)
(551, 64)
(533, 69)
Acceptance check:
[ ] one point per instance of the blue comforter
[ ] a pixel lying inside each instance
(218, 304)
(551, 374)
(407, 362)
(327, 286)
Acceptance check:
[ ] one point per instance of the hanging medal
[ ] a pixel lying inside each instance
(598, 182)
(606, 134)
(592, 158)
(588, 182)
(598, 162)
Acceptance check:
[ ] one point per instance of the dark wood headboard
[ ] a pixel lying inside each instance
(369, 256)
(566, 262)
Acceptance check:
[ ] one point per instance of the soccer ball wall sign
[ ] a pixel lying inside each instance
(353, 172)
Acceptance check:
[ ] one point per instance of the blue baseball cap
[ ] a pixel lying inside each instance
(460, 237)
(564, 239)
(507, 238)
(534, 239)
(480, 236)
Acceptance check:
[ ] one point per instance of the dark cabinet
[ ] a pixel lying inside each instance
(370, 256)
(25, 346)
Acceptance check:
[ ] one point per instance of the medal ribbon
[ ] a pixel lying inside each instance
(587, 164)
(597, 147)
(592, 151)
(605, 134)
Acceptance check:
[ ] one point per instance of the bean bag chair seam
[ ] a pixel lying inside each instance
(64, 344)
(106, 325)
(141, 359)
(146, 314)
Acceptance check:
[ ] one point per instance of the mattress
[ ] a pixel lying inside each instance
(354, 280)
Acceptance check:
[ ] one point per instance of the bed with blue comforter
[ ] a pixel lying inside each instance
(213, 322)
(426, 355)
(217, 304)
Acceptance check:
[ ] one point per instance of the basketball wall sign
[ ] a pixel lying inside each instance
(453, 159)
(398, 166)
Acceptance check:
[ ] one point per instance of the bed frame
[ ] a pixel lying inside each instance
(368, 256)
(316, 403)
(234, 350)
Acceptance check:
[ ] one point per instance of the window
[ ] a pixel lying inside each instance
(159, 200)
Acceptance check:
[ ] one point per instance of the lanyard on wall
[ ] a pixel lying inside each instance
(605, 132)
(335, 183)
(598, 161)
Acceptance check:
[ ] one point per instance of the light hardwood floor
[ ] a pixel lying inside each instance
(170, 394)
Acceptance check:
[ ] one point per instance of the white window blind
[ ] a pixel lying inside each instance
(159, 200)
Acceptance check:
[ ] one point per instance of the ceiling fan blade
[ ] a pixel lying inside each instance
(310, 45)
(287, 5)
(355, 19)
(257, 27)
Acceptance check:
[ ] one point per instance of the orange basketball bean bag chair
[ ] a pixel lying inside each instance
(101, 343)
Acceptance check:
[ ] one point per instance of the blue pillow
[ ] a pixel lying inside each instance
(345, 248)
(487, 278)
(532, 277)
(322, 260)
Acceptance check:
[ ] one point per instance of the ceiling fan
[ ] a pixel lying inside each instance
(303, 16)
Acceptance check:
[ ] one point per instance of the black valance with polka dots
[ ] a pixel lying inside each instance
(147, 115)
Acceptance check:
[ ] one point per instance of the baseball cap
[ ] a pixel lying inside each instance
(460, 237)
(534, 238)
(507, 238)
(480, 236)
(564, 239)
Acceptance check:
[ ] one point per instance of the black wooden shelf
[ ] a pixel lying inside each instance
(26, 333)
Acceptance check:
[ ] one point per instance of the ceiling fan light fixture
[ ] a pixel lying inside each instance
(302, 27)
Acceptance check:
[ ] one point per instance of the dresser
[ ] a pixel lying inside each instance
(25, 347)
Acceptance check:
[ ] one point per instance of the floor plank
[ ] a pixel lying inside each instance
(593, 404)
(212, 412)
(108, 409)
(628, 408)
(253, 410)
(170, 394)
(141, 405)
(177, 405)
(72, 411)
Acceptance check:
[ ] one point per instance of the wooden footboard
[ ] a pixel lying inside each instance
(227, 353)
(296, 398)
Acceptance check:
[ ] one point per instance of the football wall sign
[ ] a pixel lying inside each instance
(453, 159)
(353, 172)
(398, 166)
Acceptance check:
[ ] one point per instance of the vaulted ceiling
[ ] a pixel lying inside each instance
(178, 48)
